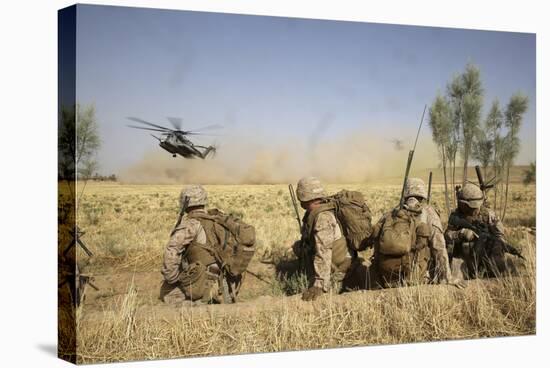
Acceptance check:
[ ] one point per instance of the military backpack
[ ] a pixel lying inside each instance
(398, 234)
(354, 216)
(230, 241)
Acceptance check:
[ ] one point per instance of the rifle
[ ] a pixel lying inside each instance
(429, 188)
(457, 190)
(409, 162)
(302, 249)
(484, 231)
(184, 206)
(295, 204)
(483, 185)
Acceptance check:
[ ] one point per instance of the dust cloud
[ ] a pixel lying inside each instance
(359, 157)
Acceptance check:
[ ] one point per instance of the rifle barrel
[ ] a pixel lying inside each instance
(430, 187)
(295, 205)
(409, 161)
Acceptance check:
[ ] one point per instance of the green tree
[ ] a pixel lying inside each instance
(66, 147)
(455, 92)
(87, 143)
(87, 139)
(471, 104)
(482, 150)
(530, 174)
(493, 124)
(513, 117)
(441, 124)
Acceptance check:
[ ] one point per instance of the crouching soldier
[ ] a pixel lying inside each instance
(475, 238)
(409, 246)
(333, 229)
(207, 253)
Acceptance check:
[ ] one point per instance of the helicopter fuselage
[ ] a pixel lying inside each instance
(179, 145)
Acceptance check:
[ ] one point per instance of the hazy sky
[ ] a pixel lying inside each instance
(273, 79)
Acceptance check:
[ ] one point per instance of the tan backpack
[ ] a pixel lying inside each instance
(398, 234)
(354, 215)
(231, 241)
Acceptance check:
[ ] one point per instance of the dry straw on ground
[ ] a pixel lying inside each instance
(127, 228)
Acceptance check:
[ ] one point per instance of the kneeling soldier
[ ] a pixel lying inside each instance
(323, 245)
(475, 237)
(409, 246)
(196, 266)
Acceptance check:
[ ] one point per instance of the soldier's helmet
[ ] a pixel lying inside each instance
(415, 187)
(471, 196)
(309, 188)
(195, 194)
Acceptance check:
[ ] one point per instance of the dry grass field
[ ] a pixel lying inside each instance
(127, 227)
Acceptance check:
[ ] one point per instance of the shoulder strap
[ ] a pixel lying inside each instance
(312, 216)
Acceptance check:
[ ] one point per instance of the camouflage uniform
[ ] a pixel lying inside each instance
(323, 239)
(184, 280)
(427, 261)
(473, 253)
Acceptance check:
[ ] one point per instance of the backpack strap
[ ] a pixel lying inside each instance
(311, 219)
(207, 222)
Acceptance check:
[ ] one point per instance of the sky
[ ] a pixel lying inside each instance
(272, 81)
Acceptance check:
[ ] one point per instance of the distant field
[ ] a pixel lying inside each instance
(127, 227)
(516, 175)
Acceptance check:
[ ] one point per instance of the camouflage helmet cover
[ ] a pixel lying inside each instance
(309, 188)
(471, 196)
(196, 195)
(415, 187)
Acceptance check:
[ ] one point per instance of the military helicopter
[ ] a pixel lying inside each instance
(175, 140)
(397, 144)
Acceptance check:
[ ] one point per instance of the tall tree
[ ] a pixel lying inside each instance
(455, 92)
(513, 118)
(472, 102)
(482, 150)
(441, 125)
(530, 174)
(87, 142)
(493, 124)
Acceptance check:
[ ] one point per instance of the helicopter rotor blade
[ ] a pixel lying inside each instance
(176, 122)
(145, 128)
(204, 134)
(157, 138)
(208, 127)
(138, 120)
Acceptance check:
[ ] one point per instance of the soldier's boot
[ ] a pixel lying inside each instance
(172, 295)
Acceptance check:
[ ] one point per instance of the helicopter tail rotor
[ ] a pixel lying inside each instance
(210, 151)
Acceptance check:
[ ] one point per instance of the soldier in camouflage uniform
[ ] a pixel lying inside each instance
(184, 280)
(474, 254)
(428, 260)
(323, 244)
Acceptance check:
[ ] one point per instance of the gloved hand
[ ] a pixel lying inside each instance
(312, 293)
(467, 235)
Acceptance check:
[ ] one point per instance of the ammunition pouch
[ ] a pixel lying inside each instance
(193, 281)
(422, 237)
